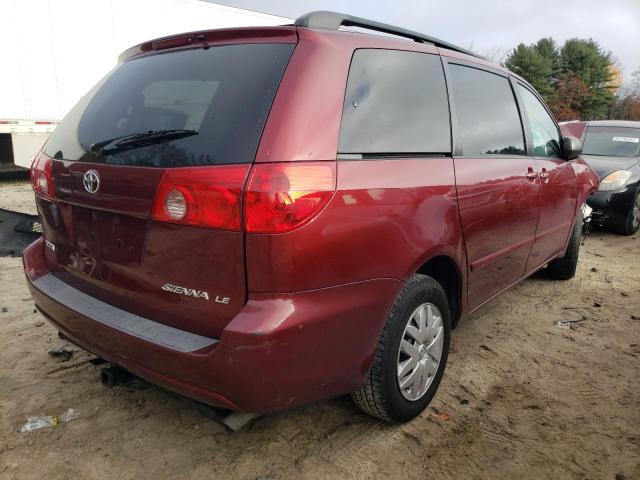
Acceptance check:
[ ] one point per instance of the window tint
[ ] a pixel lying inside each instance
(612, 141)
(396, 102)
(545, 135)
(183, 101)
(486, 111)
(222, 94)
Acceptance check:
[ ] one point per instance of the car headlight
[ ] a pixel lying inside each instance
(615, 180)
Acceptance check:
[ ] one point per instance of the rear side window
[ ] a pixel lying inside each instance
(395, 102)
(220, 96)
(488, 119)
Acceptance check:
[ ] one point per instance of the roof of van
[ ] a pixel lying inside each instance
(318, 21)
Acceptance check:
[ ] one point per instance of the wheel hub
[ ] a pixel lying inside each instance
(422, 351)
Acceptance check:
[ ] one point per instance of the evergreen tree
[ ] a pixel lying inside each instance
(586, 59)
(548, 48)
(576, 80)
(537, 69)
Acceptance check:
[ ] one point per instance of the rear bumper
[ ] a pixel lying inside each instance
(280, 351)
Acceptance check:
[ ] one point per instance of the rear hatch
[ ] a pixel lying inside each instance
(140, 186)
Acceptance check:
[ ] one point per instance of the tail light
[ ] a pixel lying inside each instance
(201, 196)
(283, 196)
(42, 176)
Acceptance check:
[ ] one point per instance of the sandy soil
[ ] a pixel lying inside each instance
(521, 398)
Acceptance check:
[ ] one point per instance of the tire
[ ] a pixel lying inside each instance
(632, 220)
(564, 268)
(381, 395)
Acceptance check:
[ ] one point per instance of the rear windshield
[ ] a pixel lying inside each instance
(204, 106)
(612, 141)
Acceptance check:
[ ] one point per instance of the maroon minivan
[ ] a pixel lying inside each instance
(259, 218)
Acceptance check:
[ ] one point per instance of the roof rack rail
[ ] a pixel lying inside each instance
(334, 20)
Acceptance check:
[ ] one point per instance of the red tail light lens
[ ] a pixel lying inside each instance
(202, 196)
(42, 176)
(281, 197)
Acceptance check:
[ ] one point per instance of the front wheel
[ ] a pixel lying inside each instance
(564, 268)
(632, 220)
(411, 354)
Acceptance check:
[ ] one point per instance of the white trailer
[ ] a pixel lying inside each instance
(56, 50)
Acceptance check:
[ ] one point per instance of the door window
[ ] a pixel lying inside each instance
(545, 135)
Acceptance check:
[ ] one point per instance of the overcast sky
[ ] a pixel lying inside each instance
(491, 27)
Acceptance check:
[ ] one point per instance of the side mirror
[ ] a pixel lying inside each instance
(571, 147)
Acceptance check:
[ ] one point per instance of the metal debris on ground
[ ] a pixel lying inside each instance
(237, 420)
(35, 423)
(63, 352)
(568, 324)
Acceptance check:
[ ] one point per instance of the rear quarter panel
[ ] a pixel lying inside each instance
(386, 219)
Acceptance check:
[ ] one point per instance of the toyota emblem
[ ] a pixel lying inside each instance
(91, 181)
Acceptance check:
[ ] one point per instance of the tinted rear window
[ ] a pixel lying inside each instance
(396, 102)
(487, 114)
(223, 93)
(612, 141)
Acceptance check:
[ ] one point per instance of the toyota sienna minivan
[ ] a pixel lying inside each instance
(259, 218)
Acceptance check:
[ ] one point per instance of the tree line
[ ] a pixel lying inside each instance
(578, 80)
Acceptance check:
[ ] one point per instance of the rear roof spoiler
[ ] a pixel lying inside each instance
(201, 38)
(327, 20)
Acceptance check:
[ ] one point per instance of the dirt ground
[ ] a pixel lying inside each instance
(521, 397)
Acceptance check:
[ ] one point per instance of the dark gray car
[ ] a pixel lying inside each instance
(612, 149)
